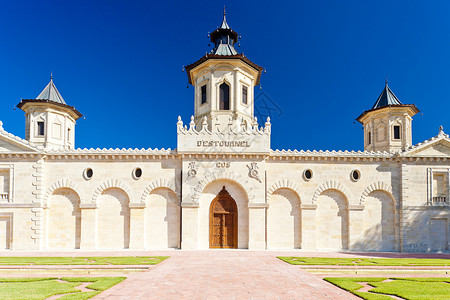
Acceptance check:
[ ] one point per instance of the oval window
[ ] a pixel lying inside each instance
(88, 173)
(137, 173)
(307, 174)
(356, 175)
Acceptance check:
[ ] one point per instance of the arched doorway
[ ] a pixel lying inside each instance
(223, 221)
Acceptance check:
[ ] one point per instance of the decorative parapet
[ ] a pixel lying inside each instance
(235, 137)
(416, 148)
(26, 146)
(333, 153)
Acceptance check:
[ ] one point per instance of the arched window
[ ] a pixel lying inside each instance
(224, 97)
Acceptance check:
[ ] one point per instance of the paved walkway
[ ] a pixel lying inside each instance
(221, 274)
(224, 274)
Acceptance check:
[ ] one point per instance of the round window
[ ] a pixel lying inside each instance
(307, 174)
(88, 173)
(355, 175)
(137, 173)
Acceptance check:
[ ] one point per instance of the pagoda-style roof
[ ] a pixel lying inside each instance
(387, 98)
(224, 39)
(51, 95)
(215, 56)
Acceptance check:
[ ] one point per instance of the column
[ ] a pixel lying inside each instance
(88, 226)
(137, 226)
(257, 226)
(355, 226)
(189, 225)
(309, 226)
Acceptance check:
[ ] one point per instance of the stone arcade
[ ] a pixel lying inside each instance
(223, 187)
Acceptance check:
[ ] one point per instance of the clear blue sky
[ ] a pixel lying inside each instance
(120, 64)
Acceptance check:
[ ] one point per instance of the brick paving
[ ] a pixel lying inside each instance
(224, 274)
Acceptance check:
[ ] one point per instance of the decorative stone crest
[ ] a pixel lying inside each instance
(253, 171)
(441, 131)
(192, 171)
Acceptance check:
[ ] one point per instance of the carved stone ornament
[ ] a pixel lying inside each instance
(192, 171)
(253, 171)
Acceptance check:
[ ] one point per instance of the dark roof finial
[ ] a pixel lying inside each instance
(51, 75)
(386, 81)
(224, 24)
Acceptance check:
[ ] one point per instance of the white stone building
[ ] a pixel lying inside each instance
(223, 187)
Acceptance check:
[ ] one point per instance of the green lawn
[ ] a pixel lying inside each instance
(331, 261)
(127, 260)
(44, 287)
(407, 288)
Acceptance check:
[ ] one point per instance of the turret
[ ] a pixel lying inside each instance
(224, 81)
(387, 125)
(49, 121)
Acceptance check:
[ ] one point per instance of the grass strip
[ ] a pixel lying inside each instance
(414, 290)
(44, 287)
(98, 283)
(25, 279)
(332, 261)
(407, 288)
(35, 290)
(125, 260)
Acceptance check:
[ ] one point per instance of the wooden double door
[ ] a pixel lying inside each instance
(223, 221)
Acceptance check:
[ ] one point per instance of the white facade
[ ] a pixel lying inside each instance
(390, 197)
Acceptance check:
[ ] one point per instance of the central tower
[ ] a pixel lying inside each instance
(224, 81)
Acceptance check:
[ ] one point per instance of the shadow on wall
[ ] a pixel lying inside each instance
(423, 230)
(378, 224)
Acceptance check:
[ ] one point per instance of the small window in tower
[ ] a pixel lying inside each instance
(244, 94)
(224, 101)
(40, 128)
(203, 89)
(369, 138)
(396, 132)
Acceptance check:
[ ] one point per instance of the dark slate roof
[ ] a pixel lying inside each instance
(386, 98)
(224, 49)
(51, 93)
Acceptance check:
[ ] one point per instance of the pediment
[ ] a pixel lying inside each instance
(437, 148)
(11, 144)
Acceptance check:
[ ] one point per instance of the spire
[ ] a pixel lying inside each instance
(51, 93)
(386, 98)
(224, 39)
(224, 22)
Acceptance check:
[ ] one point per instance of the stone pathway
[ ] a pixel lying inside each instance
(224, 274)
